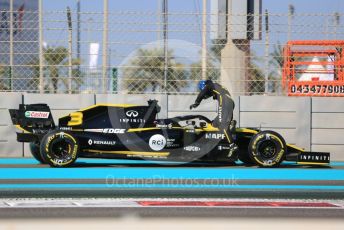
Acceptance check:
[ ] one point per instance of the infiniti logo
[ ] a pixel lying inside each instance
(132, 113)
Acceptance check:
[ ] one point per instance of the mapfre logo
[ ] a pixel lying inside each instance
(131, 113)
(217, 136)
(37, 114)
(157, 142)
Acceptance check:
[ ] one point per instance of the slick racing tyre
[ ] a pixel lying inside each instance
(35, 151)
(267, 149)
(59, 149)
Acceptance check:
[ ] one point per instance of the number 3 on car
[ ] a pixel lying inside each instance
(75, 119)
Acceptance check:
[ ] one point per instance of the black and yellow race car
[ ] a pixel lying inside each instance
(134, 131)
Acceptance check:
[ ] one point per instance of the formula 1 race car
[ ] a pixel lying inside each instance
(133, 131)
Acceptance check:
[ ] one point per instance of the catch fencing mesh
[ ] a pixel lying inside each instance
(132, 55)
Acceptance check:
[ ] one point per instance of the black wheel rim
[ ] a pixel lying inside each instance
(267, 149)
(61, 149)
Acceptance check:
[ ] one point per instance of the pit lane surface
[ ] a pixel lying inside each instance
(24, 177)
(171, 208)
(134, 223)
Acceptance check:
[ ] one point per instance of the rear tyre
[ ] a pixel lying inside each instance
(267, 149)
(59, 149)
(35, 151)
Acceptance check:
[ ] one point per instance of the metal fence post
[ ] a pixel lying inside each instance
(11, 44)
(105, 42)
(291, 11)
(41, 55)
(78, 31)
(204, 40)
(165, 35)
(70, 40)
(266, 85)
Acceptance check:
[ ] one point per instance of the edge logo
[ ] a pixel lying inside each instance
(106, 130)
(131, 113)
(113, 130)
(157, 142)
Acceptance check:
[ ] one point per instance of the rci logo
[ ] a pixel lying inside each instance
(157, 142)
(132, 113)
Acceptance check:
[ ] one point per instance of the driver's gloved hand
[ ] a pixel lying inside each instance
(194, 106)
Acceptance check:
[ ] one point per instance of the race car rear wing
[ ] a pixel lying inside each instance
(33, 119)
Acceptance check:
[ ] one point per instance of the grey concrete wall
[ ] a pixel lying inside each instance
(288, 116)
(9, 147)
(328, 126)
(179, 105)
(315, 124)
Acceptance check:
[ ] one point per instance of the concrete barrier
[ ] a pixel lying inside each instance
(288, 116)
(8, 138)
(328, 126)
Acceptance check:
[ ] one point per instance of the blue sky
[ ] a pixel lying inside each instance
(275, 6)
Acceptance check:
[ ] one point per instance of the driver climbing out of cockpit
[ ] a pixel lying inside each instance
(225, 109)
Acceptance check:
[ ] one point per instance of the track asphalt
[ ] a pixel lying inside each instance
(24, 177)
(170, 208)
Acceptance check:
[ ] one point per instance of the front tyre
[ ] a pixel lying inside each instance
(59, 149)
(267, 149)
